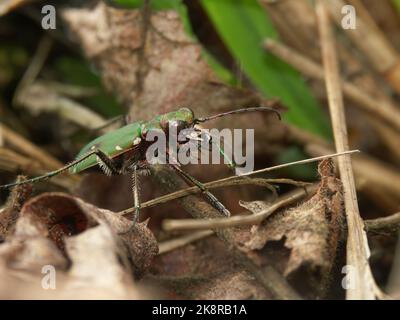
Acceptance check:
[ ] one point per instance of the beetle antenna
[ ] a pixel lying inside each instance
(243, 110)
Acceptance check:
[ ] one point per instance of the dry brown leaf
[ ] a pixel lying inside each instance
(310, 231)
(83, 243)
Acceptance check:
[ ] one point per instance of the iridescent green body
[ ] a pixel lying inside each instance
(129, 137)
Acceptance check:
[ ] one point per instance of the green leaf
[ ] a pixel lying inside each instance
(223, 73)
(243, 25)
(397, 4)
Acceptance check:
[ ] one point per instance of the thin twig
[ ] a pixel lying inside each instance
(195, 224)
(235, 180)
(388, 226)
(284, 165)
(212, 185)
(176, 243)
(357, 245)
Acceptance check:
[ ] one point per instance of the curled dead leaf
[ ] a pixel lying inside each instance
(84, 245)
(311, 231)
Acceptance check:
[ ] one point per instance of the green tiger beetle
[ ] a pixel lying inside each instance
(123, 151)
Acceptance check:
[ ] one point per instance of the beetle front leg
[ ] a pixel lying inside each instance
(106, 163)
(193, 181)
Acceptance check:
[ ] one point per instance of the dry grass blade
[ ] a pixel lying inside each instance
(357, 245)
(173, 244)
(194, 224)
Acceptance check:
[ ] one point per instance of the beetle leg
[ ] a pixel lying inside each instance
(136, 198)
(191, 180)
(106, 163)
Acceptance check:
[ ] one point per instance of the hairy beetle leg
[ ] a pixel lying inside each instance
(213, 199)
(136, 199)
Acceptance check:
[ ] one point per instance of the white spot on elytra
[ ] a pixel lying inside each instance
(118, 148)
(136, 141)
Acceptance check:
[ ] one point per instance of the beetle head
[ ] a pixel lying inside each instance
(180, 119)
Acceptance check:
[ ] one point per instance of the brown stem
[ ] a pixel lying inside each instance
(194, 224)
(388, 226)
(357, 246)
